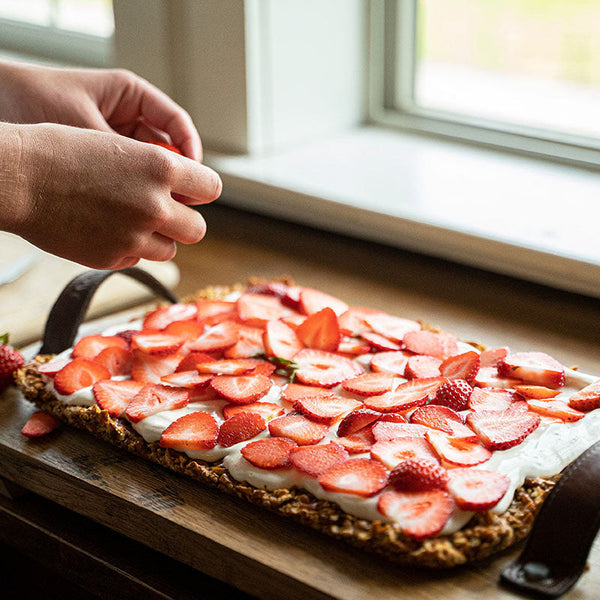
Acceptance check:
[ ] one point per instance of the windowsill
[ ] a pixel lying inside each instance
(505, 213)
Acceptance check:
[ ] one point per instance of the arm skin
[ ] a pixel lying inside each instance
(76, 179)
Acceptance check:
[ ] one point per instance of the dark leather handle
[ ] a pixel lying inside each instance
(561, 538)
(71, 306)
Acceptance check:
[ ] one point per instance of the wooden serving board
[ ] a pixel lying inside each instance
(258, 552)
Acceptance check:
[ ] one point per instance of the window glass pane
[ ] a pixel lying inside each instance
(36, 12)
(94, 17)
(531, 62)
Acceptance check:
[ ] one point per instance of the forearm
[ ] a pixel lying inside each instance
(14, 180)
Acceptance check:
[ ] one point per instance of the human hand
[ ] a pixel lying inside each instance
(103, 99)
(99, 199)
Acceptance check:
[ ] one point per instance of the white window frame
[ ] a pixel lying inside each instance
(390, 69)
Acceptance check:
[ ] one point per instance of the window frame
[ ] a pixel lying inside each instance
(390, 69)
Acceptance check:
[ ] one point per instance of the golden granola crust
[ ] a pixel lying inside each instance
(484, 535)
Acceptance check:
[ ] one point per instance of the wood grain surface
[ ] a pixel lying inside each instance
(251, 549)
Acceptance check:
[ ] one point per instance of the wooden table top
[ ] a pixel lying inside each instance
(263, 554)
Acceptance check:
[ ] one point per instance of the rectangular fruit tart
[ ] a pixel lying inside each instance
(375, 429)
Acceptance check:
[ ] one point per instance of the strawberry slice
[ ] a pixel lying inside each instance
(358, 442)
(457, 452)
(270, 453)
(257, 310)
(264, 368)
(78, 374)
(281, 340)
(52, 367)
(397, 401)
(115, 396)
(295, 391)
(499, 432)
(537, 392)
(315, 460)
(298, 428)
(461, 366)
(312, 301)
(444, 419)
(320, 330)
(353, 347)
(186, 379)
(355, 420)
(418, 475)
(232, 366)
(250, 343)
(241, 427)
(358, 476)
(492, 356)
(116, 360)
(325, 410)
(421, 515)
(203, 394)
(391, 452)
(267, 410)
(91, 345)
(477, 489)
(556, 409)
(269, 288)
(491, 399)
(325, 369)
(153, 398)
(291, 298)
(369, 384)
(218, 337)
(379, 342)
(156, 343)
(211, 308)
(192, 359)
(586, 399)
(454, 394)
(422, 366)
(440, 345)
(390, 362)
(391, 327)
(241, 389)
(163, 316)
(487, 377)
(194, 431)
(293, 321)
(188, 331)
(148, 368)
(536, 368)
(406, 396)
(386, 430)
(353, 322)
(39, 424)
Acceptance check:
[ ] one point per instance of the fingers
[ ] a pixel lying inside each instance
(197, 183)
(166, 115)
(185, 225)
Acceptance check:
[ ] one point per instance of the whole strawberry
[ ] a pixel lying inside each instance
(10, 361)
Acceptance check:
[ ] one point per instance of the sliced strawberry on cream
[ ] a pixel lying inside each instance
(325, 369)
(280, 340)
(91, 345)
(390, 362)
(163, 316)
(454, 394)
(391, 452)
(556, 409)
(194, 431)
(443, 419)
(115, 396)
(420, 515)
(187, 379)
(499, 431)
(257, 310)
(440, 345)
(359, 442)
(359, 476)
(241, 389)
(422, 366)
(380, 342)
(461, 366)
(78, 374)
(149, 368)
(390, 430)
(267, 410)
(156, 343)
(457, 452)
(536, 368)
(117, 360)
(270, 453)
(230, 366)
(320, 330)
(369, 384)
(586, 399)
(315, 460)
(418, 475)
(154, 398)
(220, 336)
(391, 327)
(240, 427)
(477, 489)
(298, 428)
(312, 301)
(357, 419)
(325, 410)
